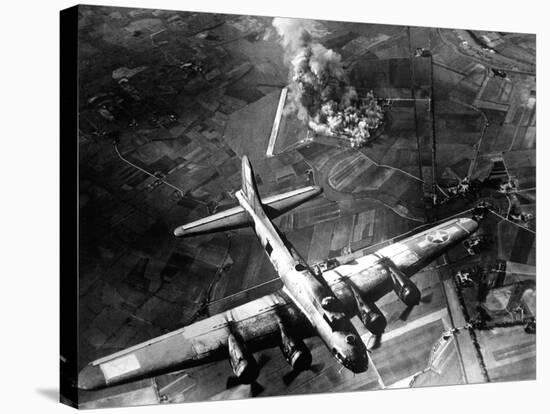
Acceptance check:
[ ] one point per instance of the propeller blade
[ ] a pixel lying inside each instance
(377, 342)
(406, 313)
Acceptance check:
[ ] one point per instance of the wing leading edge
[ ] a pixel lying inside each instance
(256, 324)
(369, 274)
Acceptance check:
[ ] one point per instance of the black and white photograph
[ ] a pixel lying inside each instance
(271, 206)
(279, 207)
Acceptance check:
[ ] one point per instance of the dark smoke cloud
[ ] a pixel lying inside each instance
(318, 90)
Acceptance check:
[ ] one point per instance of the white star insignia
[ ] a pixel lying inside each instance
(438, 236)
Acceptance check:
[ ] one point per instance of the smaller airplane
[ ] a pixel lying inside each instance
(313, 301)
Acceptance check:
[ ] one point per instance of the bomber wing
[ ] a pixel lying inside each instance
(255, 323)
(370, 274)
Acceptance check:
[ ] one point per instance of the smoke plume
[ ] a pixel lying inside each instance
(319, 92)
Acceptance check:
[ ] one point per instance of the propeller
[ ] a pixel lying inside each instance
(377, 342)
(407, 311)
(255, 387)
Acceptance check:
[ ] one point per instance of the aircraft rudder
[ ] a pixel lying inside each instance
(249, 188)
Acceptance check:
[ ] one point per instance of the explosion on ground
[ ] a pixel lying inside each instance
(319, 90)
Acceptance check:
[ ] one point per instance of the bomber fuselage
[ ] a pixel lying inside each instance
(317, 302)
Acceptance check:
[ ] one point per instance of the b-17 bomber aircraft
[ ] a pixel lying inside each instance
(312, 301)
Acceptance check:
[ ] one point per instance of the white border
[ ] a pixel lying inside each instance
(30, 193)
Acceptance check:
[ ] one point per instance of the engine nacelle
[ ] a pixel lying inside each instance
(242, 362)
(372, 318)
(295, 351)
(404, 288)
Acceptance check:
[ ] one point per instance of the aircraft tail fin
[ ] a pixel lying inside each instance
(249, 188)
(273, 206)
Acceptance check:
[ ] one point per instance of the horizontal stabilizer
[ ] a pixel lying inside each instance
(236, 217)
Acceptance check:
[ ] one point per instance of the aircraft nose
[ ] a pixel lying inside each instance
(91, 378)
(360, 365)
(358, 360)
